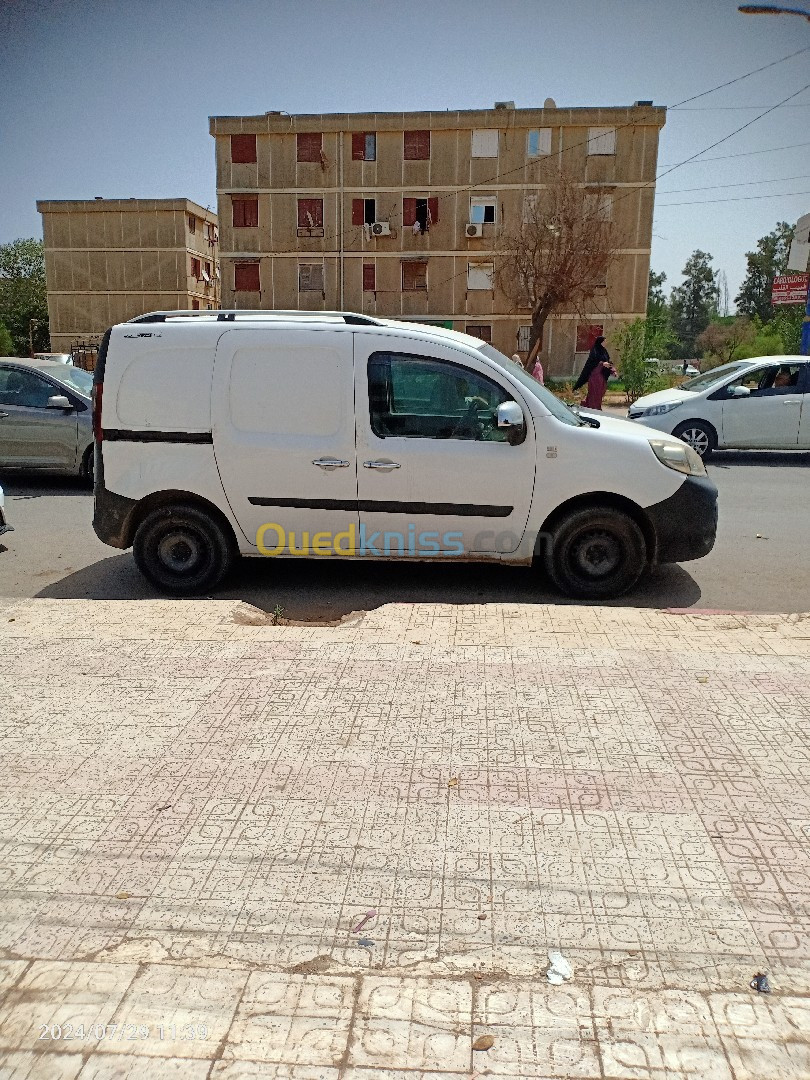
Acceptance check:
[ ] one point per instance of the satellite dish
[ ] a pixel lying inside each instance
(549, 103)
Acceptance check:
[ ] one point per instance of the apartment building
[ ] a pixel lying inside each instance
(107, 260)
(395, 214)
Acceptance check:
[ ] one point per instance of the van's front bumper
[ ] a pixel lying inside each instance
(685, 524)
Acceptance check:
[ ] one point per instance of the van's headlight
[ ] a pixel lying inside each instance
(678, 456)
(659, 410)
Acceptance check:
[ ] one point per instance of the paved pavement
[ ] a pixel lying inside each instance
(759, 563)
(232, 850)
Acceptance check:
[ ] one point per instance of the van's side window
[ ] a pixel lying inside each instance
(412, 397)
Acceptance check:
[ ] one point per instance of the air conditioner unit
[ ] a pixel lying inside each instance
(380, 228)
(474, 229)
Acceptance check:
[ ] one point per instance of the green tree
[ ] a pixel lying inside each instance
(23, 295)
(769, 259)
(636, 343)
(693, 302)
(724, 340)
(656, 301)
(787, 323)
(6, 344)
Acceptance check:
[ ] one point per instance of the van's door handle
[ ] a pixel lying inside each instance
(381, 465)
(330, 463)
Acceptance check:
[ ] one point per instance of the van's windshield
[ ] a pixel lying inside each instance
(556, 407)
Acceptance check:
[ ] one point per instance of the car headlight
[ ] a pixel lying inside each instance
(659, 410)
(678, 456)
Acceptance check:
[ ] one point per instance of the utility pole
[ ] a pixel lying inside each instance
(770, 9)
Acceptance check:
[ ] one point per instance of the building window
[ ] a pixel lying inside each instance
(421, 212)
(416, 145)
(530, 205)
(369, 277)
(587, 335)
(310, 277)
(414, 275)
(211, 233)
(309, 146)
(538, 142)
(245, 213)
(485, 142)
(479, 276)
(482, 210)
(196, 269)
(310, 213)
(524, 336)
(482, 332)
(364, 211)
(246, 277)
(601, 140)
(243, 149)
(192, 223)
(195, 305)
(599, 206)
(206, 273)
(364, 146)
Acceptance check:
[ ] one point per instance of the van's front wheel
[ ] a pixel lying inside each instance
(596, 553)
(182, 550)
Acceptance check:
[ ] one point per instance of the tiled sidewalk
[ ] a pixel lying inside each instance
(195, 814)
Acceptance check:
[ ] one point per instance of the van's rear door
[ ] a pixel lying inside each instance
(282, 406)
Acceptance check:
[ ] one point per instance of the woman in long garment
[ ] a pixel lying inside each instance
(596, 372)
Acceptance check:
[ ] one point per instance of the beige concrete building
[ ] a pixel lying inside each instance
(107, 260)
(395, 214)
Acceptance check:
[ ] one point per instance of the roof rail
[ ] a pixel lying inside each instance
(231, 314)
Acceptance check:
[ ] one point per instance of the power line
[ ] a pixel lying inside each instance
(737, 108)
(739, 78)
(750, 153)
(744, 183)
(739, 198)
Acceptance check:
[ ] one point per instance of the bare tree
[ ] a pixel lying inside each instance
(561, 252)
(719, 342)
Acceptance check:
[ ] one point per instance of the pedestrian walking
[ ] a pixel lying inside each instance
(537, 372)
(596, 372)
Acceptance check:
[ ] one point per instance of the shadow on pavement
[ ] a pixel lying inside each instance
(26, 486)
(771, 459)
(310, 590)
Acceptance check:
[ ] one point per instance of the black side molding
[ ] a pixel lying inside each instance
(124, 435)
(383, 507)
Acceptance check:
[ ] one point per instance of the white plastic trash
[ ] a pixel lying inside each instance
(559, 969)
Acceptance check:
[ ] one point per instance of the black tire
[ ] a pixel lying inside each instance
(596, 553)
(699, 435)
(86, 467)
(182, 550)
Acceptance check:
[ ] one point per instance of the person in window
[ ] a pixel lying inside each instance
(783, 378)
(596, 372)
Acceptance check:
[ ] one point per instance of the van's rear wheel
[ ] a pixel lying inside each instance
(182, 550)
(596, 553)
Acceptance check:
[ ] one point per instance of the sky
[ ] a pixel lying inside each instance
(112, 97)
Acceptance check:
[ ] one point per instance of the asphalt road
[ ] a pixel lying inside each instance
(760, 561)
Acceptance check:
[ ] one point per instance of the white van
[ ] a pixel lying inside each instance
(288, 434)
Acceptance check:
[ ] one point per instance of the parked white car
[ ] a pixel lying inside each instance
(4, 525)
(757, 404)
(344, 436)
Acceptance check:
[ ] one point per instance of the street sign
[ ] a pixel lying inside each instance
(790, 289)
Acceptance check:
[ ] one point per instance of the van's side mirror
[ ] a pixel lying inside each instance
(59, 401)
(739, 391)
(510, 416)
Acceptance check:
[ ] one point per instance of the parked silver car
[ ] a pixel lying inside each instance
(45, 416)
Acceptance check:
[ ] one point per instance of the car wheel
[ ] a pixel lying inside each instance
(701, 437)
(182, 550)
(86, 467)
(596, 553)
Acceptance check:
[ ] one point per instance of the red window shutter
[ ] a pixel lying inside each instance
(309, 145)
(586, 336)
(243, 148)
(358, 146)
(369, 277)
(310, 213)
(408, 212)
(195, 305)
(246, 277)
(245, 213)
(358, 212)
(416, 145)
(433, 210)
